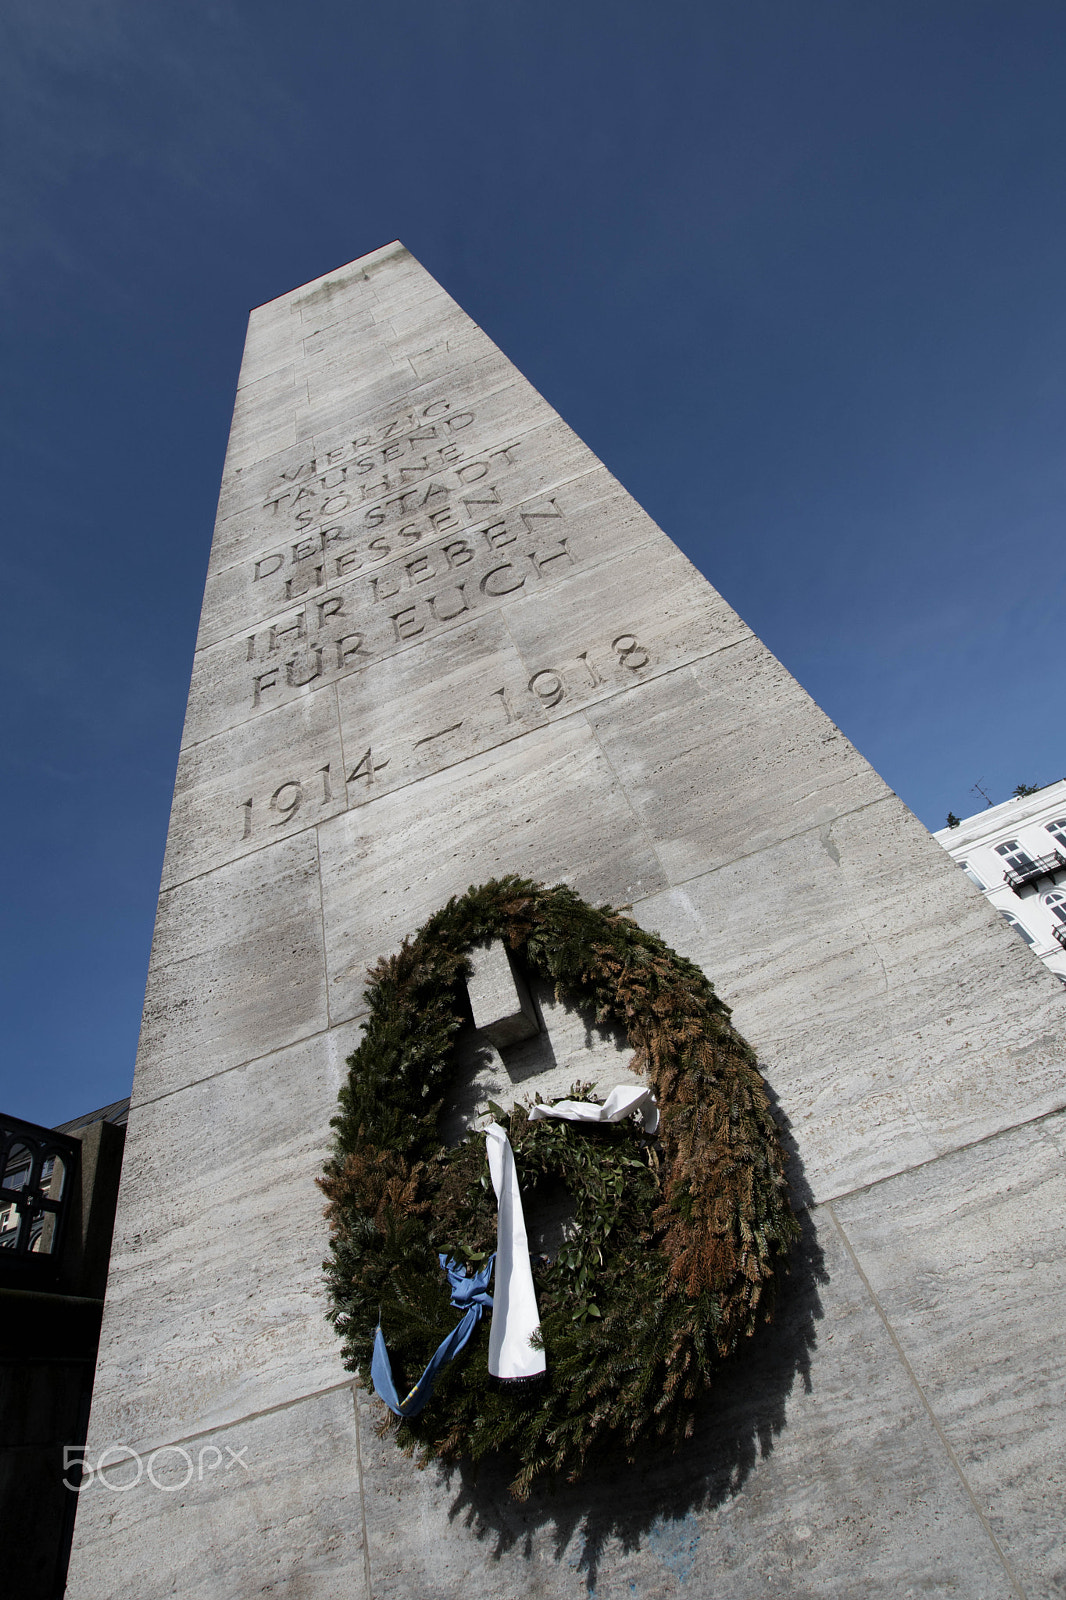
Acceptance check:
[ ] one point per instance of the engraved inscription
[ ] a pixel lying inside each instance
(293, 794)
(505, 706)
(327, 637)
(631, 653)
(493, 713)
(366, 768)
(360, 535)
(431, 738)
(381, 492)
(319, 478)
(547, 686)
(286, 800)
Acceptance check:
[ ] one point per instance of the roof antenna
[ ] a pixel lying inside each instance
(978, 790)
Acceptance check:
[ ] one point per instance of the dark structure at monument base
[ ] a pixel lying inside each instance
(58, 1189)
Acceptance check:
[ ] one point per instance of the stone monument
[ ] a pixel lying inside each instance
(440, 643)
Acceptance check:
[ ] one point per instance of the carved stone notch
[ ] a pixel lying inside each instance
(499, 999)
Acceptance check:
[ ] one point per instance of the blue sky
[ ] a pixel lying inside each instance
(795, 271)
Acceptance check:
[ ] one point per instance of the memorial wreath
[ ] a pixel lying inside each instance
(678, 1236)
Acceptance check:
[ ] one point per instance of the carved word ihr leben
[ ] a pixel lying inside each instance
(342, 632)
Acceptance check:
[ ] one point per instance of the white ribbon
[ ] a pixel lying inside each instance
(620, 1103)
(515, 1318)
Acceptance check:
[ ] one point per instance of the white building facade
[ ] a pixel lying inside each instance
(1016, 855)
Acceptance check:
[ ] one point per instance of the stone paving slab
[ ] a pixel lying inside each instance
(968, 1261)
(283, 1519)
(726, 758)
(387, 866)
(236, 968)
(251, 787)
(222, 1217)
(819, 1473)
(883, 1040)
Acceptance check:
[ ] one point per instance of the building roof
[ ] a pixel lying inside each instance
(117, 1112)
(1003, 818)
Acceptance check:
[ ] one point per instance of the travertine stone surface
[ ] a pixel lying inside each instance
(439, 643)
(968, 1263)
(881, 1030)
(825, 1480)
(499, 1000)
(248, 759)
(566, 1049)
(404, 854)
(229, 1235)
(223, 1533)
(236, 962)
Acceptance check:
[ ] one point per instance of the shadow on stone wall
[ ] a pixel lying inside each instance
(742, 1419)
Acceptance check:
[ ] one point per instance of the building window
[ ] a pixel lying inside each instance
(1057, 831)
(1056, 904)
(1022, 933)
(1014, 856)
(34, 1163)
(971, 874)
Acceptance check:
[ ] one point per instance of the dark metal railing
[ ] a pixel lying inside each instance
(38, 1169)
(1042, 867)
(1059, 931)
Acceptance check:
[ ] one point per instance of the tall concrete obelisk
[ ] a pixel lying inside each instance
(440, 642)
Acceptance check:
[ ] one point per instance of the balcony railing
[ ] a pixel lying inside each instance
(1059, 931)
(1042, 867)
(38, 1168)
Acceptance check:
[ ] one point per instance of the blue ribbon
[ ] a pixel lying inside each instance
(469, 1294)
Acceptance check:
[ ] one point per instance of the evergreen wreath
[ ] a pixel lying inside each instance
(680, 1238)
